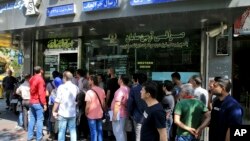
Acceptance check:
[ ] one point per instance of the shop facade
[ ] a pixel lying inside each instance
(156, 37)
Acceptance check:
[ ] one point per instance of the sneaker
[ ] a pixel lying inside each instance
(18, 128)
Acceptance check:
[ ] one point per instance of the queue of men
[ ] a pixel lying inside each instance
(171, 111)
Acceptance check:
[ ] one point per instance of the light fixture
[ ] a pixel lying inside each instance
(92, 29)
(236, 35)
(141, 25)
(203, 20)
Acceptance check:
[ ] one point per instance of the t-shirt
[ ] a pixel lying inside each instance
(112, 85)
(121, 95)
(168, 103)
(191, 112)
(223, 115)
(95, 109)
(154, 118)
(201, 94)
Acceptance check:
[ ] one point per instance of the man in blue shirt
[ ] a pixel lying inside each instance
(226, 111)
(136, 105)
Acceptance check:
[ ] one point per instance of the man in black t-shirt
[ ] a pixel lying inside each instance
(154, 122)
(226, 112)
(112, 86)
(9, 85)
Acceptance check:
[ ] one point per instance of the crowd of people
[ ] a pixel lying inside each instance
(86, 105)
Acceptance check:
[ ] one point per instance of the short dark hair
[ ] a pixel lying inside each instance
(176, 75)
(151, 87)
(94, 78)
(140, 77)
(37, 69)
(55, 74)
(27, 76)
(124, 79)
(81, 72)
(168, 84)
(226, 83)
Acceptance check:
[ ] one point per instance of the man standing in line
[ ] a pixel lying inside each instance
(8, 85)
(136, 105)
(37, 104)
(191, 115)
(95, 99)
(154, 123)
(64, 109)
(199, 92)
(176, 79)
(226, 111)
(112, 86)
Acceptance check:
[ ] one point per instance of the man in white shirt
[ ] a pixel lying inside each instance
(199, 92)
(65, 107)
(24, 91)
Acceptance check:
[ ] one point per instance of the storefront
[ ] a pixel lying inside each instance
(58, 50)
(157, 53)
(156, 37)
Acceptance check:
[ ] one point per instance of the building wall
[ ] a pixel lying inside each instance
(220, 65)
(16, 19)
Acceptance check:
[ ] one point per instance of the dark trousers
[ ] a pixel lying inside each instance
(83, 127)
(8, 95)
(25, 105)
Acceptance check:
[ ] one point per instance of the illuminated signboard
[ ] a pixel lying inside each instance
(61, 10)
(100, 5)
(145, 2)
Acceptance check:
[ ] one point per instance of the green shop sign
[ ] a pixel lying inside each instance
(60, 44)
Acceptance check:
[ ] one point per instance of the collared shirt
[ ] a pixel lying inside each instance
(136, 105)
(37, 90)
(121, 95)
(24, 90)
(66, 97)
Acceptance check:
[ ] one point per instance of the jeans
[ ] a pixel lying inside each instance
(169, 123)
(186, 138)
(20, 119)
(35, 118)
(95, 126)
(119, 129)
(137, 127)
(62, 125)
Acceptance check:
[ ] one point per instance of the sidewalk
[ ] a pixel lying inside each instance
(8, 122)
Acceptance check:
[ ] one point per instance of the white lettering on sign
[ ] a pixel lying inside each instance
(240, 132)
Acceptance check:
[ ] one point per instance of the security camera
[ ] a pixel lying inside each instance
(216, 31)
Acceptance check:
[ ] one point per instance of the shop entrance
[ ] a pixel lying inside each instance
(241, 75)
(59, 61)
(67, 61)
